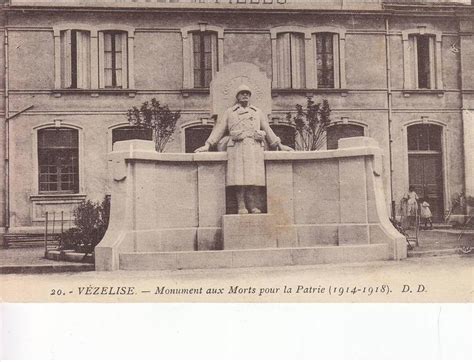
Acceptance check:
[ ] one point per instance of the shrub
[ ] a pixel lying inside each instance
(152, 115)
(91, 222)
(311, 124)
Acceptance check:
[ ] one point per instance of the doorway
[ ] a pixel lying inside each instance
(425, 166)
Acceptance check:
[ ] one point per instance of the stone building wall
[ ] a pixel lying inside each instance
(158, 72)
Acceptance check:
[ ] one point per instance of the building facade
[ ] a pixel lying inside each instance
(401, 72)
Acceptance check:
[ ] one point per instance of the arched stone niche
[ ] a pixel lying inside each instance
(230, 77)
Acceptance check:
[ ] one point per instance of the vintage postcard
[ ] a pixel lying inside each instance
(237, 151)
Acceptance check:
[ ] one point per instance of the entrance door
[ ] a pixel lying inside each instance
(425, 168)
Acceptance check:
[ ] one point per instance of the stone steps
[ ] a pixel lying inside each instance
(432, 253)
(252, 257)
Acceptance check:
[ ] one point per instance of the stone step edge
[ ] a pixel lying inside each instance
(252, 257)
(430, 253)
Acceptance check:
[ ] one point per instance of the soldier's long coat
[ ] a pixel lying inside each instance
(246, 129)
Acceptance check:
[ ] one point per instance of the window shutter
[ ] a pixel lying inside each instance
(214, 54)
(297, 61)
(124, 43)
(80, 61)
(66, 59)
(83, 59)
(413, 67)
(336, 57)
(283, 48)
(101, 60)
(315, 57)
(432, 62)
(190, 50)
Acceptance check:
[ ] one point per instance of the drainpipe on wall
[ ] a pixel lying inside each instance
(389, 105)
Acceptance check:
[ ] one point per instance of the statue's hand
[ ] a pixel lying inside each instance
(285, 148)
(204, 148)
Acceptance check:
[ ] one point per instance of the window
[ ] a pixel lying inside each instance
(327, 57)
(204, 58)
(195, 137)
(286, 133)
(131, 133)
(422, 47)
(89, 57)
(58, 160)
(291, 60)
(424, 137)
(203, 55)
(422, 59)
(113, 59)
(338, 131)
(75, 59)
(308, 57)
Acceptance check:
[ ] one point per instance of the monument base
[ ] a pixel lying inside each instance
(272, 257)
(249, 231)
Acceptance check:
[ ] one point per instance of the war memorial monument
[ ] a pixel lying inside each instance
(172, 210)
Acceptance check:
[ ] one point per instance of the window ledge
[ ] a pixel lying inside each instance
(408, 92)
(309, 91)
(53, 196)
(95, 92)
(185, 92)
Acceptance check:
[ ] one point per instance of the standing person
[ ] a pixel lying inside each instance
(412, 206)
(247, 129)
(425, 212)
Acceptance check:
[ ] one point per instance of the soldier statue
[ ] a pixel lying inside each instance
(243, 131)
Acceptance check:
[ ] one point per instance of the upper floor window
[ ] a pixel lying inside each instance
(88, 57)
(113, 59)
(202, 54)
(308, 57)
(422, 59)
(204, 58)
(291, 61)
(58, 160)
(424, 48)
(326, 45)
(75, 59)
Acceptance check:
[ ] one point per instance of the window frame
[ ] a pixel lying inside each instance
(126, 126)
(202, 57)
(296, 74)
(123, 51)
(352, 123)
(188, 52)
(96, 54)
(311, 56)
(35, 159)
(282, 125)
(410, 58)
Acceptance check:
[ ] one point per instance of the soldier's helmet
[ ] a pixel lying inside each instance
(243, 88)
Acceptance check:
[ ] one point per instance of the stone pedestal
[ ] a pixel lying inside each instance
(252, 231)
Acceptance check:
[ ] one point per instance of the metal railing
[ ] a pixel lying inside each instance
(52, 237)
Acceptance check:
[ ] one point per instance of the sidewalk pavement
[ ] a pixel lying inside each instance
(439, 242)
(30, 260)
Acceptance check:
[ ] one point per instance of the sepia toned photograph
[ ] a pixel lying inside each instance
(237, 151)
